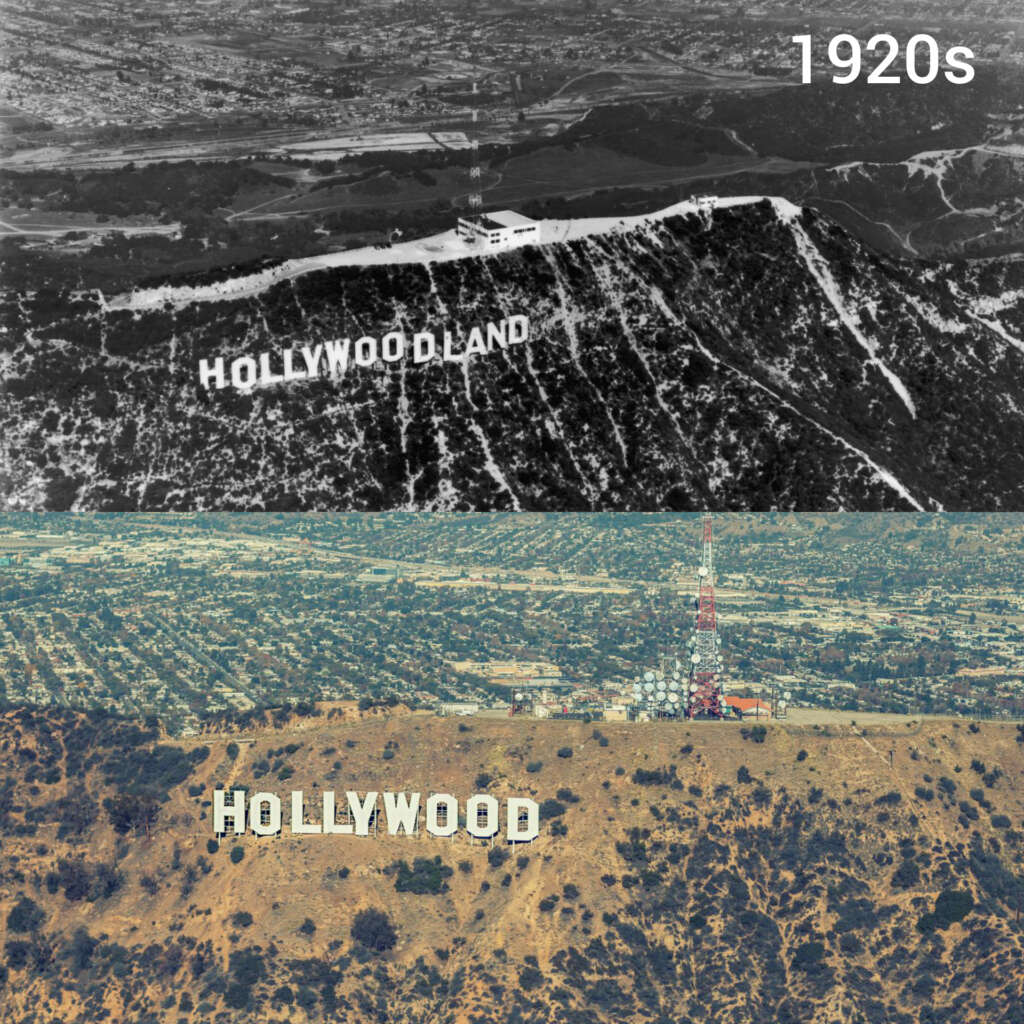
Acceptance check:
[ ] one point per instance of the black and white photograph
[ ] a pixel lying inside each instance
(512, 256)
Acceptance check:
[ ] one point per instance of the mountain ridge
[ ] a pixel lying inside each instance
(760, 358)
(683, 871)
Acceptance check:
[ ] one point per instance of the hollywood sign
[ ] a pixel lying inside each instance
(333, 358)
(262, 815)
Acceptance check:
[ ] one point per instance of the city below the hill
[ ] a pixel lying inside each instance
(204, 616)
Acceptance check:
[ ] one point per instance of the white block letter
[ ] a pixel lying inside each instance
(299, 827)
(337, 356)
(518, 328)
(331, 825)
(273, 823)
(473, 806)
(401, 812)
(248, 364)
(206, 371)
(424, 347)
(451, 810)
(519, 831)
(234, 810)
(362, 812)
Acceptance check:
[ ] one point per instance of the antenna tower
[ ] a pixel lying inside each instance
(705, 699)
(475, 199)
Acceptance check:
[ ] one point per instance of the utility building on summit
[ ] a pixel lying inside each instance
(499, 230)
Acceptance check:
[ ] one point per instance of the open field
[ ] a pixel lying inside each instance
(57, 223)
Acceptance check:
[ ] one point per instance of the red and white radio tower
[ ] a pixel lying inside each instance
(705, 655)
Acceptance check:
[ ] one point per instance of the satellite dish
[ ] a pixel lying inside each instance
(678, 665)
(649, 676)
(787, 695)
(519, 696)
(782, 705)
(673, 686)
(673, 698)
(695, 658)
(693, 687)
(649, 687)
(702, 571)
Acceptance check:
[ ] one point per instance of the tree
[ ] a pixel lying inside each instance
(25, 916)
(373, 929)
(128, 812)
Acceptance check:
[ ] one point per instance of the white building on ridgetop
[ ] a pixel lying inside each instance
(499, 230)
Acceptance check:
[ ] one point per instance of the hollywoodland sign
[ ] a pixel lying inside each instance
(262, 815)
(333, 358)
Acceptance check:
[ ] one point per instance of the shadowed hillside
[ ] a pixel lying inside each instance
(762, 359)
(684, 873)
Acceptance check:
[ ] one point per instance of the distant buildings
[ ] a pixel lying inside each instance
(749, 707)
(455, 708)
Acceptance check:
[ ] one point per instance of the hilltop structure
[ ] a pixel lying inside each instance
(501, 229)
(705, 653)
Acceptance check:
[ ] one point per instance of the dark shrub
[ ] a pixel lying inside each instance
(426, 876)
(906, 875)
(551, 809)
(565, 751)
(373, 929)
(497, 856)
(25, 916)
(808, 957)
(236, 996)
(17, 954)
(530, 978)
(951, 906)
(237, 853)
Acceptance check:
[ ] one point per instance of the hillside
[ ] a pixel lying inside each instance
(683, 873)
(757, 358)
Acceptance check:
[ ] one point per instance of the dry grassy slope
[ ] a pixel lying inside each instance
(738, 865)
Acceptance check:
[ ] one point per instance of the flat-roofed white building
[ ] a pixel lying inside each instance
(499, 230)
(449, 708)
